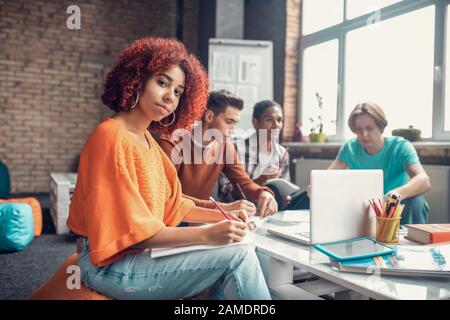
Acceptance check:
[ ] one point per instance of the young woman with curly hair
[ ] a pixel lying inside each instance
(128, 197)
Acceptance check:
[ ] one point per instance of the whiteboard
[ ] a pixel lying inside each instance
(245, 68)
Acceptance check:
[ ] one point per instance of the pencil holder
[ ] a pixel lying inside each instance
(387, 230)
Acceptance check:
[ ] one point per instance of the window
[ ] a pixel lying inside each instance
(356, 8)
(395, 53)
(317, 58)
(316, 18)
(392, 65)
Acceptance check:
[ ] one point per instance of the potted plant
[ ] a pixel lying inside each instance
(317, 124)
(412, 134)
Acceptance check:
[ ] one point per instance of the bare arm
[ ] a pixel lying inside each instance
(206, 215)
(232, 206)
(337, 165)
(419, 182)
(220, 232)
(223, 232)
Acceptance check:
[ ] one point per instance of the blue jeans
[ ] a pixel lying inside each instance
(235, 269)
(415, 211)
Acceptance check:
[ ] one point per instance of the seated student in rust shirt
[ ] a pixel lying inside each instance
(202, 154)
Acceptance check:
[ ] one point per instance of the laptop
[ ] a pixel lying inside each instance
(339, 207)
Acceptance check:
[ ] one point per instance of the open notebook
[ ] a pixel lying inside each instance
(163, 252)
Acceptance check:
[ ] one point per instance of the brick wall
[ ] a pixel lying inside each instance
(51, 78)
(190, 25)
(291, 69)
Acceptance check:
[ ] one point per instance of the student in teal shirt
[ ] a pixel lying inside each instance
(403, 173)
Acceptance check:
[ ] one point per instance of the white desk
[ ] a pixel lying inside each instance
(278, 256)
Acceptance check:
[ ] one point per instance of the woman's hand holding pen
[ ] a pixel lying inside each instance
(238, 215)
(224, 232)
(241, 215)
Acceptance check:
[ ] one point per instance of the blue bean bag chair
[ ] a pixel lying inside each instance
(16, 226)
(5, 183)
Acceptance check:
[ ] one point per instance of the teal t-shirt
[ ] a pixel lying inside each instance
(396, 154)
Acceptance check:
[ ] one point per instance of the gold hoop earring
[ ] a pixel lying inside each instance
(137, 100)
(171, 122)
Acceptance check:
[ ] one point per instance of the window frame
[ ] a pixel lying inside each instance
(340, 31)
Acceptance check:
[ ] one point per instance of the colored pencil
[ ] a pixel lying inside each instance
(220, 208)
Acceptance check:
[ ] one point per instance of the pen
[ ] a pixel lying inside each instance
(375, 207)
(394, 205)
(378, 208)
(241, 191)
(399, 211)
(388, 209)
(384, 208)
(218, 206)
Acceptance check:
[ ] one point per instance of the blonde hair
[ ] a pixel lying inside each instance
(371, 109)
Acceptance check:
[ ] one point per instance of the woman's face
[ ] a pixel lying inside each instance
(367, 131)
(271, 120)
(162, 93)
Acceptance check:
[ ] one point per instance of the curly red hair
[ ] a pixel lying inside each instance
(145, 57)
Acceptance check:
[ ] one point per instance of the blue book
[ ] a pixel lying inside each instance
(429, 261)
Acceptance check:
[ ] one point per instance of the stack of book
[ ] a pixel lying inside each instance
(428, 233)
(429, 261)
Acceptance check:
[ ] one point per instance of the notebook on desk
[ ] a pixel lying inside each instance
(429, 261)
(339, 207)
(164, 252)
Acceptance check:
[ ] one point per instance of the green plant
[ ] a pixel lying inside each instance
(317, 123)
(411, 133)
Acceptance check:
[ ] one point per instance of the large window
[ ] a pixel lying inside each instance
(392, 52)
(316, 18)
(317, 59)
(392, 65)
(356, 8)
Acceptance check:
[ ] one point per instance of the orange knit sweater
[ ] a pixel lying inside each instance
(124, 194)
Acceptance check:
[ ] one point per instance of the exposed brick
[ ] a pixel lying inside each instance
(291, 71)
(51, 78)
